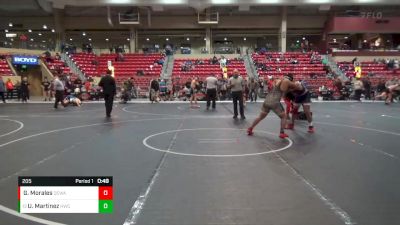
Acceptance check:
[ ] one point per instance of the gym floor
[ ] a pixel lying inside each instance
(176, 165)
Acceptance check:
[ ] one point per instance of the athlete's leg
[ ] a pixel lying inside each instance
(283, 117)
(295, 115)
(260, 117)
(307, 111)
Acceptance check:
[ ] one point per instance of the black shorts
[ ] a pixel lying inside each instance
(303, 99)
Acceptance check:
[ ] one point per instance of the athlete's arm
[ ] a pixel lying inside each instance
(288, 85)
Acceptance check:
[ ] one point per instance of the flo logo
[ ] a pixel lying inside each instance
(371, 15)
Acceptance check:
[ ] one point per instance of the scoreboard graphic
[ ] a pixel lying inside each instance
(65, 194)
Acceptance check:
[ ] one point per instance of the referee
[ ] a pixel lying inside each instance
(211, 86)
(236, 85)
(109, 90)
(59, 89)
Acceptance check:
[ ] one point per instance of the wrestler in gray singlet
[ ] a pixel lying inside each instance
(273, 100)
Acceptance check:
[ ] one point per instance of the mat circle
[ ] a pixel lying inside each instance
(145, 143)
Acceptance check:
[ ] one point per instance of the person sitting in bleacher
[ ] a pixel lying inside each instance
(222, 62)
(120, 57)
(214, 60)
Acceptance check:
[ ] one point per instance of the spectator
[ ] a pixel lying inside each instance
(2, 90)
(163, 89)
(222, 62)
(87, 85)
(46, 89)
(10, 88)
(354, 61)
(139, 73)
(261, 85)
(380, 87)
(154, 90)
(57, 56)
(170, 90)
(253, 88)
(194, 88)
(223, 88)
(358, 88)
(338, 83)
(120, 57)
(367, 88)
(78, 83)
(214, 60)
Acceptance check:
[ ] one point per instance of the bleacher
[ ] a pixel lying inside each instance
(204, 70)
(5, 68)
(377, 70)
(92, 65)
(279, 64)
(57, 64)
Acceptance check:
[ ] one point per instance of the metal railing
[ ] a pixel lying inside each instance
(334, 67)
(250, 68)
(71, 64)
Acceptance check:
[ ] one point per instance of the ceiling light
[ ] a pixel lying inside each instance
(225, 39)
(31, 39)
(83, 34)
(147, 39)
(365, 41)
(187, 39)
(6, 30)
(90, 39)
(334, 40)
(346, 37)
(52, 30)
(318, 1)
(172, 2)
(368, 1)
(268, 1)
(70, 39)
(40, 34)
(45, 26)
(221, 2)
(11, 35)
(119, 1)
(128, 39)
(205, 39)
(10, 25)
(167, 39)
(30, 31)
(107, 39)
(244, 39)
(298, 41)
(304, 38)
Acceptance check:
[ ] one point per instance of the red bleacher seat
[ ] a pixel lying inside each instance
(92, 65)
(5, 68)
(302, 70)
